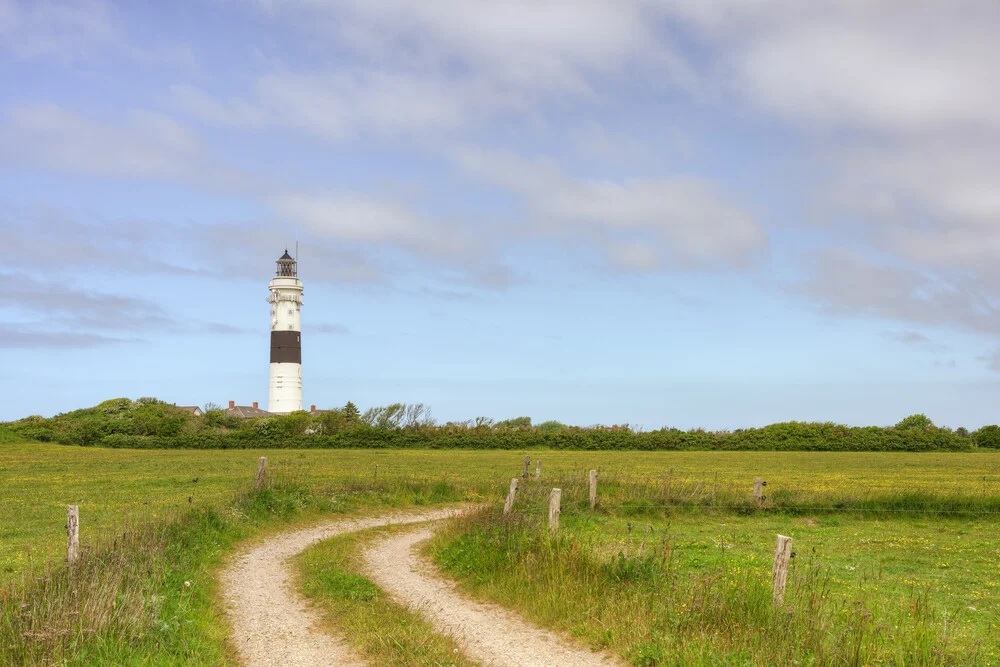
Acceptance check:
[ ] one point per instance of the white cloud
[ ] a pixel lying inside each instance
(235, 113)
(68, 31)
(386, 103)
(889, 65)
(143, 145)
(65, 316)
(366, 220)
(643, 223)
(453, 251)
(548, 46)
(900, 96)
(899, 99)
(341, 104)
(931, 201)
(843, 282)
(416, 68)
(635, 256)
(59, 243)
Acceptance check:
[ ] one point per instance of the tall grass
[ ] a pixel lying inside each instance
(644, 606)
(143, 592)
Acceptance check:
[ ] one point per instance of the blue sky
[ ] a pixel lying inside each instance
(654, 212)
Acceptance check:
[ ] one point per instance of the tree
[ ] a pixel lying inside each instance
(386, 417)
(351, 414)
(210, 406)
(917, 422)
(516, 422)
(417, 414)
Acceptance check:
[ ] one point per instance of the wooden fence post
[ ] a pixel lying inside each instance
(779, 574)
(507, 506)
(593, 489)
(261, 472)
(758, 491)
(554, 510)
(538, 469)
(73, 534)
(527, 462)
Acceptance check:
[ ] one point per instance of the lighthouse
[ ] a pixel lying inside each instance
(284, 390)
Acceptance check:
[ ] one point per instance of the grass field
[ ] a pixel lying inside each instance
(37, 481)
(909, 539)
(694, 588)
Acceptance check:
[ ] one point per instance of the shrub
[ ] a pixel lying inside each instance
(919, 422)
(115, 406)
(219, 418)
(988, 436)
(123, 441)
(87, 431)
(517, 422)
(551, 426)
(333, 421)
(297, 423)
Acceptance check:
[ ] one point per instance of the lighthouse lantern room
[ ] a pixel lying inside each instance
(285, 387)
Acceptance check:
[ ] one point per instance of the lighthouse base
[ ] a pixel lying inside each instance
(284, 391)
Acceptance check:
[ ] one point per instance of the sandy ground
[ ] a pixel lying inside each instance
(272, 624)
(487, 633)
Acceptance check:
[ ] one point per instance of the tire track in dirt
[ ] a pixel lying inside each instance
(487, 633)
(271, 622)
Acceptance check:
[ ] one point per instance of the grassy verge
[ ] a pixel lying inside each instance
(381, 630)
(38, 480)
(695, 590)
(145, 596)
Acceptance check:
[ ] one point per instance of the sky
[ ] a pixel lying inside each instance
(656, 212)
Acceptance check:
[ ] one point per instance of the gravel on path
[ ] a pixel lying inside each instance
(271, 622)
(487, 633)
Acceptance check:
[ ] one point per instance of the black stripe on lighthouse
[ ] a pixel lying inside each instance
(286, 347)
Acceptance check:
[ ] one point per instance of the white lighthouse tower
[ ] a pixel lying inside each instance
(284, 391)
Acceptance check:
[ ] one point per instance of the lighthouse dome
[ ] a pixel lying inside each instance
(287, 266)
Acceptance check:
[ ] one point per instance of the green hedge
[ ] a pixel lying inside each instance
(151, 424)
(777, 437)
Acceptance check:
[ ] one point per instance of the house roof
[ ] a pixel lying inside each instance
(247, 411)
(193, 409)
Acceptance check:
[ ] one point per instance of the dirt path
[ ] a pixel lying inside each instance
(487, 633)
(271, 623)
